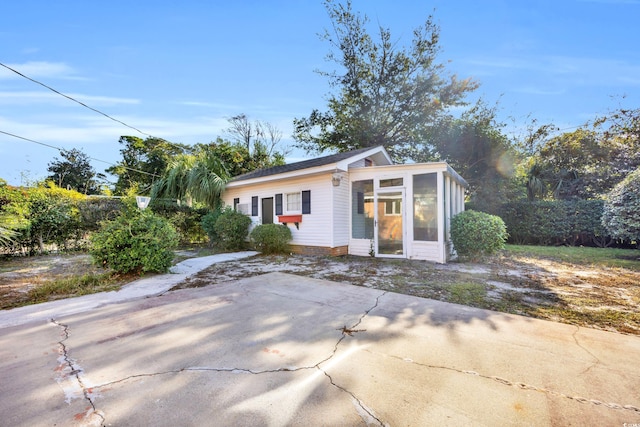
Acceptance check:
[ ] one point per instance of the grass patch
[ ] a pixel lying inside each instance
(472, 294)
(74, 286)
(62, 287)
(195, 251)
(603, 257)
(620, 321)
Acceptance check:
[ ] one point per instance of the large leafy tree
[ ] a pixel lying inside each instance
(74, 171)
(569, 166)
(143, 162)
(257, 141)
(385, 94)
(621, 131)
(588, 162)
(477, 149)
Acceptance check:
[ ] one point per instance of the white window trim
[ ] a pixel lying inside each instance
(285, 202)
(393, 209)
(389, 178)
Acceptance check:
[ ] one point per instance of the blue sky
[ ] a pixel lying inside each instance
(178, 70)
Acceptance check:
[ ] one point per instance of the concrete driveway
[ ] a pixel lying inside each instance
(280, 349)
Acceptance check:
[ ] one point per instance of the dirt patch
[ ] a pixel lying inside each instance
(603, 298)
(20, 275)
(598, 297)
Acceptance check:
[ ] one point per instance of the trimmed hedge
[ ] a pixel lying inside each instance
(557, 222)
(94, 210)
(271, 238)
(476, 233)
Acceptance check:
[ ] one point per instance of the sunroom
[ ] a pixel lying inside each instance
(404, 211)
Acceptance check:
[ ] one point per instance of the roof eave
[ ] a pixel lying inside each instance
(342, 165)
(285, 175)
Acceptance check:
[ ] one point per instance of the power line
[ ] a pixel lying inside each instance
(90, 158)
(75, 100)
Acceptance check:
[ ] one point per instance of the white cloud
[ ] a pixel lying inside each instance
(216, 105)
(570, 70)
(93, 129)
(532, 90)
(38, 69)
(30, 50)
(36, 97)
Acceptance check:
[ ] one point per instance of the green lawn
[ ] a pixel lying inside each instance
(605, 257)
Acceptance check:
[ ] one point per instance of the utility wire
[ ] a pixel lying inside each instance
(84, 105)
(75, 100)
(90, 158)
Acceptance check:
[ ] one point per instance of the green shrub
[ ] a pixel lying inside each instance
(477, 233)
(271, 238)
(231, 229)
(208, 224)
(186, 219)
(53, 219)
(622, 209)
(136, 241)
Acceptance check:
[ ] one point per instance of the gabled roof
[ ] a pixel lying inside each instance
(355, 155)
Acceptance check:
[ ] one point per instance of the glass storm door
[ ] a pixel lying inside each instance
(390, 224)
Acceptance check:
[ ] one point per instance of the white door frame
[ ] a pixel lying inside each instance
(379, 193)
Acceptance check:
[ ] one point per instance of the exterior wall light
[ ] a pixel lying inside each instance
(336, 178)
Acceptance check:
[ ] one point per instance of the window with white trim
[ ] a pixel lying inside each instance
(393, 207)
(293, 202)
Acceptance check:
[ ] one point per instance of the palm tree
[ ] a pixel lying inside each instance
(199, 177)
(536, 185)
(7, 229)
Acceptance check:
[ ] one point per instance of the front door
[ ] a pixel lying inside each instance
(390, 224)
(267, 210)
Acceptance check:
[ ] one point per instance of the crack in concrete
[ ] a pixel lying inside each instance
(93, 415)
(349, 331)
(575, 338)
(202, 369)
(76, 371)
(345, 331)
(358, 401)
(524, 386)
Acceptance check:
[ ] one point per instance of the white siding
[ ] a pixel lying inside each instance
(341, 201)
(316, 228)
(358, 164)
(429, 251)
(360, 247)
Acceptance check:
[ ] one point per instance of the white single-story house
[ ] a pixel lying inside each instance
(357, 203)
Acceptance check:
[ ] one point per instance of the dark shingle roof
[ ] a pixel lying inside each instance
(305, 164)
